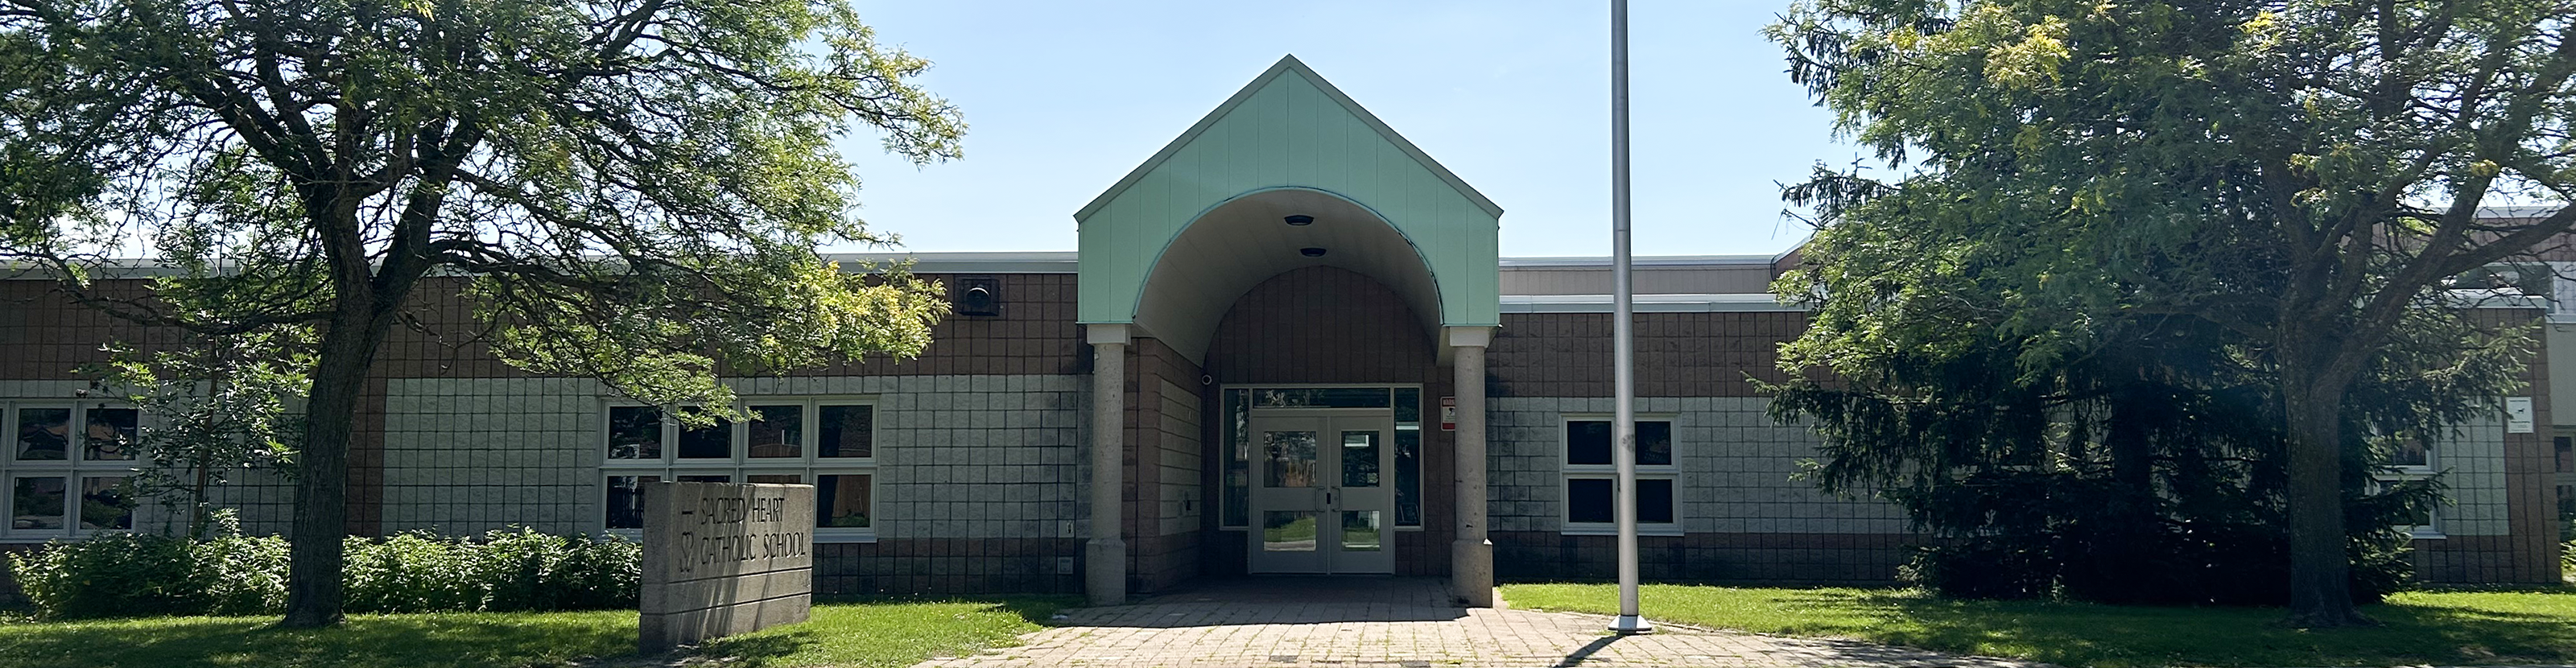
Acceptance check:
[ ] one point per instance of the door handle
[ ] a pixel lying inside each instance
(1329, 497)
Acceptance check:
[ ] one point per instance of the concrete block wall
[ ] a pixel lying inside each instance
(2472, 463)
(467, 455)
(1742, 516)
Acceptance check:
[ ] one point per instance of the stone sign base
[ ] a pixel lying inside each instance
(722, 559)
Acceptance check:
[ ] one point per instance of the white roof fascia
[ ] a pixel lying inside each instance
(1752, 302)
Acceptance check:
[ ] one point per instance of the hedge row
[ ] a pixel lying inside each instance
(130, 575)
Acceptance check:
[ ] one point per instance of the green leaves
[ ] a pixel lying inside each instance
(2119, 227)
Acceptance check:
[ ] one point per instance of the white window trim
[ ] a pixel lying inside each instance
(739, 464)
(1568, 472)
(74, 467)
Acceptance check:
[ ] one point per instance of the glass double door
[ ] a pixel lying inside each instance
(1322, 497)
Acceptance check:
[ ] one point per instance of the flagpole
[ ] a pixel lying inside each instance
(1623, 428)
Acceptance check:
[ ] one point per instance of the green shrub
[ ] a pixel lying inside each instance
(246, 575)
(409, 572)
(527, 570)
(113, 575)
(124, 575)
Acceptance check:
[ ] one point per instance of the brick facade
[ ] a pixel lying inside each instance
(980, 466)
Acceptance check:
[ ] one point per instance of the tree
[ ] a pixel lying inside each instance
(633, 190)
(2067, 434)
(220, 404)
(2342, 150)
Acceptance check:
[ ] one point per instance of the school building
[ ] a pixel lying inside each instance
(1286, 344)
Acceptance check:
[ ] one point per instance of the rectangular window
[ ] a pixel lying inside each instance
(2423, 524)
(1591, 477)
(68, 468)
(825, 442)
(1408, 457)
(848, 430)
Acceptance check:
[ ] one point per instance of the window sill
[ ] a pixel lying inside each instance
(2426, 534)
(844, 539)
(1611, 530)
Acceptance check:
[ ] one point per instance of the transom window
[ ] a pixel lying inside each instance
(829, 443)
(69, 468)
(1590, 477)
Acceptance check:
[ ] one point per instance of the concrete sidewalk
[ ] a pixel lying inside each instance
(1289, 622)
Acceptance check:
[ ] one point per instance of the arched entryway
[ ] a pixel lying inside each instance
(1290, 185)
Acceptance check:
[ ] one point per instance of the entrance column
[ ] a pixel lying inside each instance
(1471, 556)
(1105, 555)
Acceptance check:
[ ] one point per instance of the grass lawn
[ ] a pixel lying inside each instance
(854, 633)
(2430, 627)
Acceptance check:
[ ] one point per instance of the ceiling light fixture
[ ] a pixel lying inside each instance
(1311, 251)
(1301, 220)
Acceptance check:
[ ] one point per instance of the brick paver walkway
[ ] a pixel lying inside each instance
(1395, 623)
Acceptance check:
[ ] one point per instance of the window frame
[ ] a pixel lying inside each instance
(739, 465)
(74, 469)
(2432, 528)
(1568, 472)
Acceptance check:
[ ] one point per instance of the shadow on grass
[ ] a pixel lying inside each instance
(427, 641)
(1033, 608)
(878, 630)
(867, 632)
(2081, 634)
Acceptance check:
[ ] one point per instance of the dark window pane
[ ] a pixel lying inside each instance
(1238, 458)
(846, 431)
(1655, 501)
(2566, 454)
(1587, 442)
(112, 434)
(626, 500)
(1408, 477)
(777, 431)
(36, 503)
(775, 479)
(1408, 405)
(1588, 500)
(1654, 444)
(1291, 461)
(634, 432)
(106, 503)
(706, 478)
(709, 442)
(1360, 459)
(841, 500)
(2412, 451)
(1287, 531)
(1362, 531)
(1321, 397)
(44, 433)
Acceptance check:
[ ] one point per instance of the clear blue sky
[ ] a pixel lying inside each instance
(1063, 98)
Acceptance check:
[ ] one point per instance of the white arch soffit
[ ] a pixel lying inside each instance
(1237, 244)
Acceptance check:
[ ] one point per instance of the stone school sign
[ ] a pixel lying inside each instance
(721, 559)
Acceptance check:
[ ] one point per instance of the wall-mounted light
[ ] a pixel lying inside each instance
(1311, 251)
(1301, 220)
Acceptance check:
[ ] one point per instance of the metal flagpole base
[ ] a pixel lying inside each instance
(1631, 625)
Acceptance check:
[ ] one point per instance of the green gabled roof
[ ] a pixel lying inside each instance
(1289, 65)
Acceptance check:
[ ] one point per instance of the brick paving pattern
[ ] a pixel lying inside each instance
(1395, 623)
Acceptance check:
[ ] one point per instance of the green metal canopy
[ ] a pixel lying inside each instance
(1173, 244)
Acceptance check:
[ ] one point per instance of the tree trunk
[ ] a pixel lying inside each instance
(2312, 392)
(313, 594)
